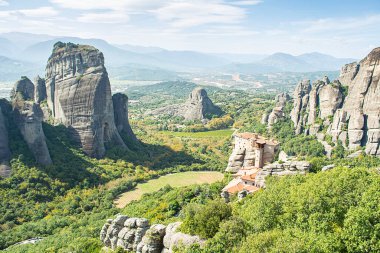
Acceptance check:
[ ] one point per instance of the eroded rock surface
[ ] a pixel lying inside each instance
(79, 96)
(135, 235)
(39, 90)
(5, 153)
(197, 107)
(282, 169)
(278, 111)
(28, 117)
(359, 118)
(120, 105)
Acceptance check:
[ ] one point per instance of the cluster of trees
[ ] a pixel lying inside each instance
(334, 211)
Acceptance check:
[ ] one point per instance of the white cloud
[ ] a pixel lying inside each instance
(116, 5)
(247, 2)
(3, 3)
(42, 12)
(105, 18)
(338, 24)
(195, 13)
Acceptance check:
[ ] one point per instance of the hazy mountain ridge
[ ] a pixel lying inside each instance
(36, 48)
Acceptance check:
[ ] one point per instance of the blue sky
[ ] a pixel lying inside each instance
(343, 28)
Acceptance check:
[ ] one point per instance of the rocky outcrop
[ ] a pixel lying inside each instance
(28, 117)
(281, 169)
(278, 111)
(120, 105)
(39, 90)
(173, 238)
(135, 235)
(5, 154)
(358, 121)
(300, 102)
(348, 109)
(24, 88)
(79, 96)
(197, 107)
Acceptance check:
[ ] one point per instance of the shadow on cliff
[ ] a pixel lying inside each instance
(69, 164)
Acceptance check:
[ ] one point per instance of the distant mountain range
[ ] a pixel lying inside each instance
(29, 52)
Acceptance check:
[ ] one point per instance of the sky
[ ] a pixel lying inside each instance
(343, 28)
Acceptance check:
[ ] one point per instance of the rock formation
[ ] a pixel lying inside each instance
(352, 118)
(362, 104)
(135, 234)
(39, 90)
(278, 111)
(5, 154)
(120, 105)
(23, 87)
(28, 117)
(79, 96)
(197, 107)
(300, 101)
(281, 169)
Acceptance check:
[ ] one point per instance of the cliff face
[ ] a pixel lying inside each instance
(120, 105)
(354, 119)
(197, 107)
(28, 117)
(278, 111)
(361, 108)
(79, 96)
(5, 154)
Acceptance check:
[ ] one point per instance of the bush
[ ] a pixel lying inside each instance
(204, 220)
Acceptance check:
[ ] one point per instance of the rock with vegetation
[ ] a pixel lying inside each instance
(197, 107)
(282, 169)
(28, 117)
(120, 105)
(79, 96)
(278, 111)
(346, 109)
(362, 105)
(173, 238)
(5, 153)
(24, 88)
(135, 235)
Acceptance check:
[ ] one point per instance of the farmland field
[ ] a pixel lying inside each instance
(174, 180)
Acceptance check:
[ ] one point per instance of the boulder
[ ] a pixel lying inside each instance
(174, 239)
(79, 96)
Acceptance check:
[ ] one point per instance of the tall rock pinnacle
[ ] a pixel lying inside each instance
(79, 96)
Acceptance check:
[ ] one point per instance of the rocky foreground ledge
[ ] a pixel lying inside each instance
(136, 235)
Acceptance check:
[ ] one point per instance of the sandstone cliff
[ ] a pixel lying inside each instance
(28, 117)
(120, 105)
(79, 96)
(352, 117)
(5, 153)
(277, 112)
(197, 107)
